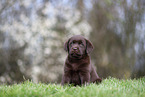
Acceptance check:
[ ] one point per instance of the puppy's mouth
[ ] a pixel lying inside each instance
(76, 55)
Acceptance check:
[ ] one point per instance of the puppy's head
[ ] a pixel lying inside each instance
(77, 46)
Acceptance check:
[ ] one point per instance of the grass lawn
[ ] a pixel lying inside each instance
(110, 87)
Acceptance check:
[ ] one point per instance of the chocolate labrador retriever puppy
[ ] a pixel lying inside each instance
(78, 69)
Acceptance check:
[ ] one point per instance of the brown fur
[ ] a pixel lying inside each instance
(78, 69)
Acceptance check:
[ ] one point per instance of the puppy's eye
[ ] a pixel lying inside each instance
(81, 44)
(71, 43)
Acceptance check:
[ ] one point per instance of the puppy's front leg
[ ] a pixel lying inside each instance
(94, 76)
(65, 79)
(85, 78)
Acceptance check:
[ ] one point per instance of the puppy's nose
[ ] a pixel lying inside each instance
(75, 48)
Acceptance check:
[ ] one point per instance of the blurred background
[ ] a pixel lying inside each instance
(32, 34)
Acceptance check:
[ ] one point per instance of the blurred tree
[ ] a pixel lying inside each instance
(108, 53)
(10, 53)
(139, 68)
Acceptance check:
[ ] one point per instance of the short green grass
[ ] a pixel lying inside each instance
(110, 87)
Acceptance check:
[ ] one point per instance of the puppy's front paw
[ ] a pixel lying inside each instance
(98, 80)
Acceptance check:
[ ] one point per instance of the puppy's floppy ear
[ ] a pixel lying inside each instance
(89, 46)
(66, 48)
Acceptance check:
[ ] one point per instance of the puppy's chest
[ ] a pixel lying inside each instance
(75, 67)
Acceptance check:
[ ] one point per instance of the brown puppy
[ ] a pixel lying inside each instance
(78, 69)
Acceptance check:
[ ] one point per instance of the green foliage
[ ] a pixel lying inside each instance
(110, 87)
